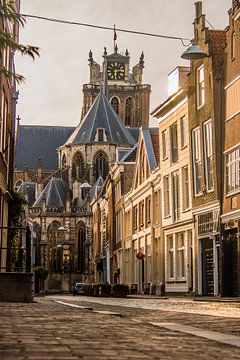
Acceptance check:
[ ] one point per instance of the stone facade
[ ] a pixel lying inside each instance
(128, 95)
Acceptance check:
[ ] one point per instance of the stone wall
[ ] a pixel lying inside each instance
(15, 287)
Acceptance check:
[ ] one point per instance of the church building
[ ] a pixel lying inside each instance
(75, 162)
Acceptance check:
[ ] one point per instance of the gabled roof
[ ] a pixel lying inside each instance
(39, 142)
(131, 154)
(54, 193)
(149, 149)
(101, 116)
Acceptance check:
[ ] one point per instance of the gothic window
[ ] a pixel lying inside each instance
(54, 247)
(101, 165)
(128, 111)
(81, 236)
(64, 161)
(77, 166)
(115, 104)
(64, 168)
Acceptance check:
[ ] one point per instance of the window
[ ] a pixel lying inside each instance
(135, 217)
(100, 135)
(174, 143)
(233, 45)
(180, 255)
(115, 104)
(200, 87)
(170, 256)
(77, 166)
(128, 111)
(197, 162)
(185, 188)
(183, 125)
(101, 165)
(233, 171)
(164, 144)
(166, 196)
(175, 192)
(208, 154)
(148, 210)
(141, 215)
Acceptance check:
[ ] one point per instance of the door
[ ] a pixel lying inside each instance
(207, 267)
(231, 263)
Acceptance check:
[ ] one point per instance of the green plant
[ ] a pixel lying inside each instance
(9, 40)
(41, 272)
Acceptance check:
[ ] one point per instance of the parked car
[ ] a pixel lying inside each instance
(78, 289)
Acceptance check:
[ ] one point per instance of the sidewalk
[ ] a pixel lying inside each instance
(187, 298)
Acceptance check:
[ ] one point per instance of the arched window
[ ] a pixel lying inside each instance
(128, 111)
(101, 165)
(64, 168)
(64, 161)
(81, 237)
(54, 249)
(77, 167)
(115, 104)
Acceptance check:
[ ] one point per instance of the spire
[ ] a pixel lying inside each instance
(141, 60)
(105, 89)
(90, 59)
(114, 37)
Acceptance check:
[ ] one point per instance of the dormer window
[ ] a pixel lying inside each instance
(100, 135)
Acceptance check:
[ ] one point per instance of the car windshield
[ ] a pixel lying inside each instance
(79, 285)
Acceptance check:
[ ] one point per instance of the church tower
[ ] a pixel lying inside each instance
(127, 94)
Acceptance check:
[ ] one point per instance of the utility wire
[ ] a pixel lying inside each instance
(182, 39)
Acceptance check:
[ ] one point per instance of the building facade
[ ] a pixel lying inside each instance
(205, 108)
(8, 101)
(177, 221)
(231, 159)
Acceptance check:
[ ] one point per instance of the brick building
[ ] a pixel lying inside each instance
(205, 106)
(8, 100)
(231, 160)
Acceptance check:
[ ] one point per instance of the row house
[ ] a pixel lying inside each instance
(231, 159)
(176, 203)
(178, 223)
(205, 126)
(8, 98)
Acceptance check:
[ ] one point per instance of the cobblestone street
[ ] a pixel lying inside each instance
(59, 327)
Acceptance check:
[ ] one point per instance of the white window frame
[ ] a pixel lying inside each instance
(197, 159)
(208, 154)
(166, 196)
(232, 171)
(175, 196)
(185, 188)
(180, 256)
(200, 86)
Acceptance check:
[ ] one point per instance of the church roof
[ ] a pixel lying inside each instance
(39, 142)
(54, 193)
(149, 146)
(101, 116)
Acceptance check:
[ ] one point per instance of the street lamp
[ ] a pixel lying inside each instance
(194, 52)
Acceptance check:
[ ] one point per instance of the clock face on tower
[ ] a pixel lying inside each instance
(115, 71)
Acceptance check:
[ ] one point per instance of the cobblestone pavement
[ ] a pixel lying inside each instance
(49, 330)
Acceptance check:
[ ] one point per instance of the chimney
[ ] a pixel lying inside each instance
(198, 8)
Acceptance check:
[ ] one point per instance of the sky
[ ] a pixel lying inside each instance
(52, 92)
